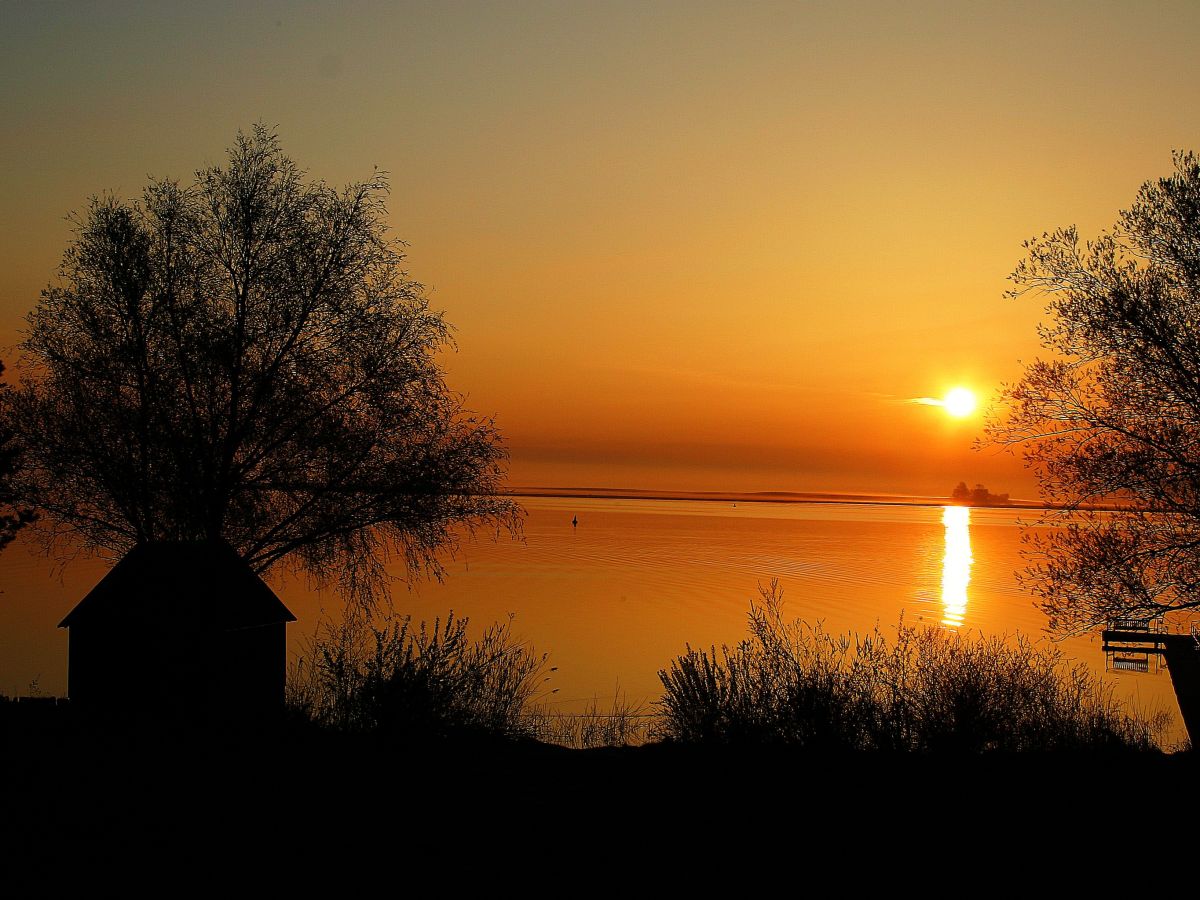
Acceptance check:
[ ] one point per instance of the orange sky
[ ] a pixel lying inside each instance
(685, 246)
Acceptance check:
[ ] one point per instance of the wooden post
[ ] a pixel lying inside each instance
(1183, 662)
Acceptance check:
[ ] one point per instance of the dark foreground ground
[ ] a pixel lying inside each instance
(117, 802)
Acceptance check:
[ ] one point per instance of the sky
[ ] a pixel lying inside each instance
(684, 246)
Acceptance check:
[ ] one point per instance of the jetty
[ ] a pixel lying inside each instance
(1132, 644)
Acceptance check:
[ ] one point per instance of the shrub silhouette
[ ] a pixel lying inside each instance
(416, 683)
(926, 690)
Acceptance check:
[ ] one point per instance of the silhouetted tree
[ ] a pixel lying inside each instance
(14, 515)
(243, 357)
(1114, 414)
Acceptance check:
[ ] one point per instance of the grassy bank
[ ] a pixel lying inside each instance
(790, 684)
(928, 689)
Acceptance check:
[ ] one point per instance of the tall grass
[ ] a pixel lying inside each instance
(417, 682)
(623, 724)
(928, 689)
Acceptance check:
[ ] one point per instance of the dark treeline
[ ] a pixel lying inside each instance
(977, 496)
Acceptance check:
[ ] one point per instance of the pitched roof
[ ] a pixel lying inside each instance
(198, 582)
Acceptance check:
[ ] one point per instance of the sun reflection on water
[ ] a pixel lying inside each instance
(956, 564)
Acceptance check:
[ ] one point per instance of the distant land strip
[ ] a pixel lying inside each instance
(591, 493)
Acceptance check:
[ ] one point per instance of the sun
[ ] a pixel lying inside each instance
(959, 403)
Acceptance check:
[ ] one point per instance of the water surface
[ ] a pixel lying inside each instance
(616, 597)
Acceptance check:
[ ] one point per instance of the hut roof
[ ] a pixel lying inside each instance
(193, 581)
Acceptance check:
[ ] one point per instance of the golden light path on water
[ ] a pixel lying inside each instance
(956, 564)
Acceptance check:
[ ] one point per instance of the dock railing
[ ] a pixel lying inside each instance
(1131, 644)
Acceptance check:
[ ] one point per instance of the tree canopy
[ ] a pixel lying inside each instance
(14, 515)
(243, 357)
(1112, 415)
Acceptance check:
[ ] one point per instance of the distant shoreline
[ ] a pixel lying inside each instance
(591, 493)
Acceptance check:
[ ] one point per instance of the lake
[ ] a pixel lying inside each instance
(618, 596)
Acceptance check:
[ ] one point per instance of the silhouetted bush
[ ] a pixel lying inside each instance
(928, 689)
(416, 682)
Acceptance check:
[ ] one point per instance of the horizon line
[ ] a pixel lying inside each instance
(847, 497)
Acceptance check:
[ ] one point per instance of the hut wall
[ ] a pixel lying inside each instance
(251, 670)
(108, 666)
(177, 672)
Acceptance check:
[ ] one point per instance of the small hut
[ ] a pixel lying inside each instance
(179, 629)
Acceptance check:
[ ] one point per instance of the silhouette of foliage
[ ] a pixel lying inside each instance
(243, 357)
(14, 515)
(1113, 415)
(926, 690)
(416, 682)
(620, 724)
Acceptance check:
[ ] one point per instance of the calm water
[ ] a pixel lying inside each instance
(617, 597)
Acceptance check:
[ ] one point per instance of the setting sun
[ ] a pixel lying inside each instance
(959, 403)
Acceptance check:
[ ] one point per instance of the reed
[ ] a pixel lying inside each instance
(928, 689)
(416, 681)
(621, 724)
